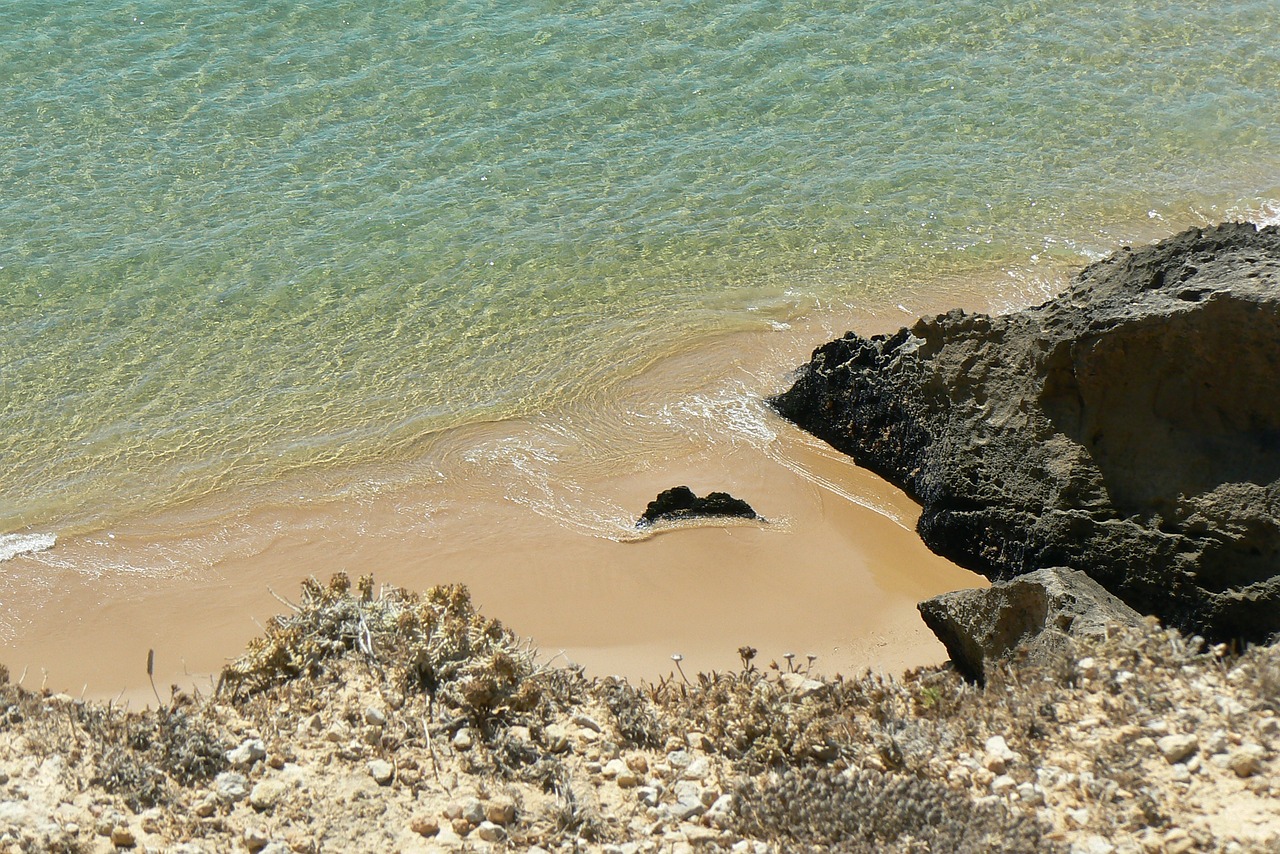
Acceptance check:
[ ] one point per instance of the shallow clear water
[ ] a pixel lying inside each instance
(239, 240)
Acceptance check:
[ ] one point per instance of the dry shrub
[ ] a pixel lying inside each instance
(865, 811)
(435, 643)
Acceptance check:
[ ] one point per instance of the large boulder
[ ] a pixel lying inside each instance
(1129, 428)
(1039, 615)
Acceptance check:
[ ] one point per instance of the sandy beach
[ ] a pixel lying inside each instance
(835, 572)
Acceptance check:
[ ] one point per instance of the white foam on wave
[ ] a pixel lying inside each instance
(530, 470)
(732, 413)
(13, 545)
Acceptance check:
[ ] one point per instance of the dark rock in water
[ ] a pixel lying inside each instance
(1037, 614)
(1129, 428)
(679, 502)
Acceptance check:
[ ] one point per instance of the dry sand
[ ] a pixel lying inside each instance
(836, 571)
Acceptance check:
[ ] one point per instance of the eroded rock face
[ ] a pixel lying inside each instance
(1039, 613)
(1129, 428)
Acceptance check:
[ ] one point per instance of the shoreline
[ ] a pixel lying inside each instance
(534, 515)
(549, 549)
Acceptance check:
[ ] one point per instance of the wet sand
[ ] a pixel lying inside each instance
(836, 571)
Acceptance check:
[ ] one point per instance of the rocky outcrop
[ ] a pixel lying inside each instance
(1040, 614)
(680, 503)
(1129, 428)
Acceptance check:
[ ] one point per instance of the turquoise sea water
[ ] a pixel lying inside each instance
(242, 239)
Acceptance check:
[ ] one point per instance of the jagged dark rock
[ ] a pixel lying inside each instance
(680, 503)
(1037, 614)
(1129, 428)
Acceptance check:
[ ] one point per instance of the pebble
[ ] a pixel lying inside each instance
(489, 832)
(122, 837)
(375, 717)
(151, 820)
(382, 772)
(998, 755)
(1175, 748)
(500, 810)
(556, 738)
(462, 739)
(613, 768)
(267, 793)
(1246, 760)
(679, 759)
(1092, 845)
(648, 795)
(249, 752)
(231, 786)
(1003, 785)
(424, 825)
(255, 838)
(588, 722)
(1215, 743)
(473, 811)
(1178, 841)
(720, 813)
(698, 741)
(697, 769)
(688, 801)
(800, 686)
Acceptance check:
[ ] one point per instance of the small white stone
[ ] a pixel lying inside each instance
(1029, 794)
(231, 786)
(489, 832)
(462, 739)
(720, 813)
(1003, 785)
(473, 811)
(697, 769)
(799, 686)
(1215, 743)
(1079, 816)
(998, 755)
(556, 738)
(1092, 845)
(249, 752)
(382, 772)
(374, 717)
